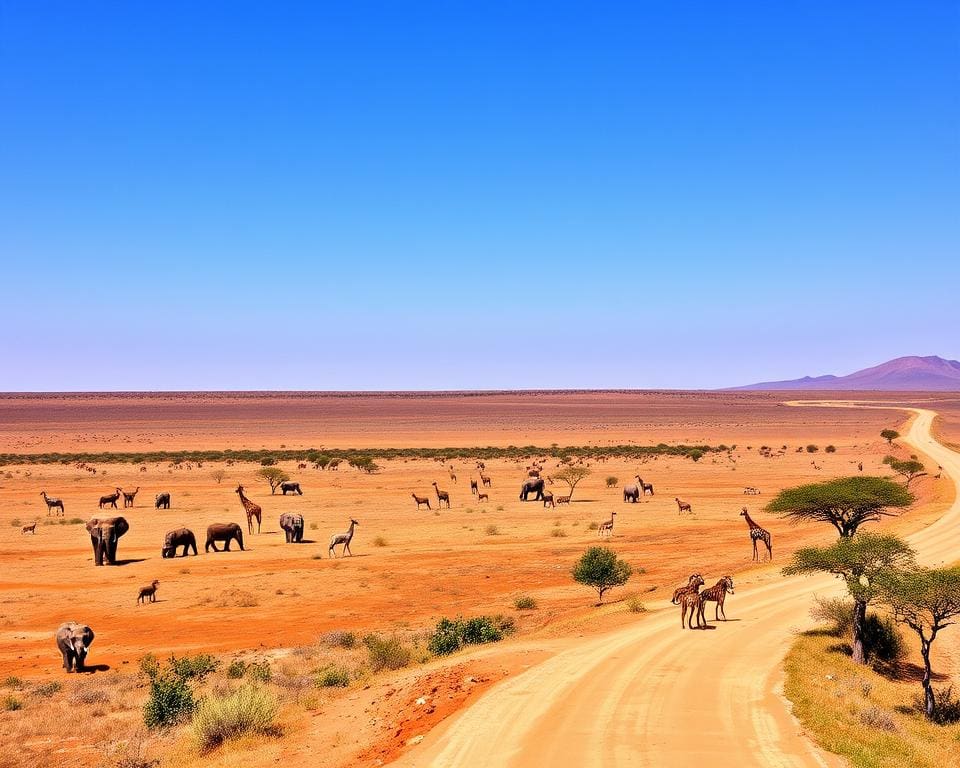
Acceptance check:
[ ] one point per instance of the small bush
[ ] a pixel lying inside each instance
(16, 522)
(451, 635)
(12, 682)
(592, 527)
(875, 717)
(558, 533)
(379, 541)
(491, 530)
(220, 718)
(812, 448)
(333, 676)
(386, 653)
(525, 603)
(260, 672)
(170, 701)
(12, 703)
(831, 449)
(947, 709)
(612, 481)
(88, 696)
(193, 667)
(635, 604)
(267, 462)
(340, 639)
(46, 690)
(882, 640)
(237, 669)
(835, 611)
(237, 598)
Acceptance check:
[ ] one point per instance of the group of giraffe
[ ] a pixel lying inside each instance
(692, 601)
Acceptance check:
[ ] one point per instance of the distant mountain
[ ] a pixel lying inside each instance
(918, 374)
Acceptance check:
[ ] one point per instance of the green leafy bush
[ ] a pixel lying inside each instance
(12, 703)
(170, 700)
(333, 676)
(525, 603)
(601, 569)
(386, 653)
(237, 669)
(612, 481)
(219, 718)
(451, 635)
(260, 671)
(194, 667)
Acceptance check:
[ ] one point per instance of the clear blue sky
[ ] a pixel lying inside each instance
(474, 195)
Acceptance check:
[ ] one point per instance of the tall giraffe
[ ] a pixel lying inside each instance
(757, 533)
(252, 510)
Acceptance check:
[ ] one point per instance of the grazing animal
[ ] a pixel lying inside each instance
(485, 479)
(548, 499)
(129, 497)
(442, 496)
(110, 500)
(32, 528)
(563, 499)
(252, 510)
(225, 532)
(481, 466)
(532, 485)
(606, 527)
(301, 465)
(291, 488)
(758, 534)
(105, 534)
(483, 497)
(453, 477)
(533, 473)
(691, 603)
(292, 525)
(631, 493)
(473, 487)
(682, 506)
(143, 469)
(421, 500)
(645, 488)
(74, 642)
(162, 501)
(52, 503)
(342, 538)
(751, 491)
(694, 582)
(180, 537)
(148, 592)
(716, 594)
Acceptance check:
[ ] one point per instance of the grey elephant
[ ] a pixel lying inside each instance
(74, 641)
(105, 533)
(162, 501)
(631, 493)
(291, 487)
(225, 532)
(292, 524)
(533, 485)
(179, 537)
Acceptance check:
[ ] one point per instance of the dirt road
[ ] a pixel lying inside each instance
(653, 695)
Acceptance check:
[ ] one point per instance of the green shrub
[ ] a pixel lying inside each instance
(635, 604)
(386, 652)
(195, 667)
(831, 449)
(237, 669)
(525, 603)
(835, 611)
(601, 569)
(695, 454)
(12, 703)
(169, 702)
(267, 461)
(446, 638)
(612, 481)
(451, 635)
(882, 640)
(260, 671)
(218, 719)
(12, 682)
(46, 690)
(333, 676)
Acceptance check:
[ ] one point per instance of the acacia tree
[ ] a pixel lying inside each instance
(218, 475)
(601, 569)
(889, 435)
(926, 601)
(861, 561)
(274, 476)
(571, 476)
(908, 469)
(846, 502)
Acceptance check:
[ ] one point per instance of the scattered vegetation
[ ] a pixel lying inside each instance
(450, 635)
(379, 541)
(12, 703)
(333, 676)
(635, 604)
(812, 448)
(525, 603)
(219, 718)
(831, 449)
(340, 639)
(612, 481)
(386, 652)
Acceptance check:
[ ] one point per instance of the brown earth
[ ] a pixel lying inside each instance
(428, 565)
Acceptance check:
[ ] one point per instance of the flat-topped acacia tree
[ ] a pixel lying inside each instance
(846, 502)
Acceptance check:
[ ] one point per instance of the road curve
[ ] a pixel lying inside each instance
(653, 695)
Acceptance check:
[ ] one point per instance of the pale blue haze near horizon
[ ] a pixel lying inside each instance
(474, 195)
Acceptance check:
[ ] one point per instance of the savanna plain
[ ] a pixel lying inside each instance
(341, 646)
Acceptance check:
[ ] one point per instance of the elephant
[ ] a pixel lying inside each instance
(162, 501)
(105, 533)
(180, 537)
(533, 485)
(291, 487)
(74, 641)
(224, 532)
(292, 525)
(631, 493)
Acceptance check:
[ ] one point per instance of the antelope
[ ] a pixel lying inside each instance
(149, 592)
(606, 526)
(682, 506)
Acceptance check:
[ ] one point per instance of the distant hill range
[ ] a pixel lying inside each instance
(917, 374)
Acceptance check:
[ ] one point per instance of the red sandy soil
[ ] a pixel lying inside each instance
(430, 565)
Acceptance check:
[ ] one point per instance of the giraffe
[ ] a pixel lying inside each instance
(421, 500)
(682, 506)
(691, 603)
(253, 510)
(717, 594)
(442, 496)
(756, 532)
(694, 582)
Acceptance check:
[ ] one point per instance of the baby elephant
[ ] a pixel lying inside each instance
(223, 532)
(149, 593)
(162, 501)
(74, 641)
(179, 537)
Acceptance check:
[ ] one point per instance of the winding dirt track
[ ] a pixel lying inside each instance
(653, 695)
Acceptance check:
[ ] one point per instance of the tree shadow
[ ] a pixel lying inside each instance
(905, 671)
(130, 560)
